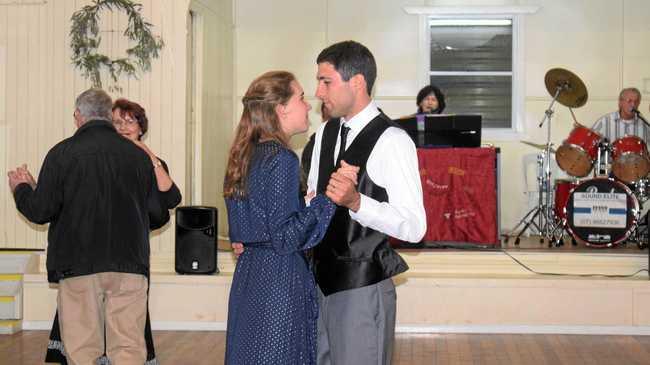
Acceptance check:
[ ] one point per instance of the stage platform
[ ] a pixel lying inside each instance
(529, 288)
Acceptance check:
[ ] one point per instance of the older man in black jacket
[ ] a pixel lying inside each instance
(98, 192)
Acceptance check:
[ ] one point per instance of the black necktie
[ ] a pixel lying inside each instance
(344, 137)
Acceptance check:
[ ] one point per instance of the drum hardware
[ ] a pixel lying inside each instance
(568, 90)
(575, 120)
(535, 217)
(538, 146)
(603, 164)
(641, 189)
(562, 191)
(640, 234)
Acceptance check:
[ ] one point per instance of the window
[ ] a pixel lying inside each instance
(474, 54)
(471, 60)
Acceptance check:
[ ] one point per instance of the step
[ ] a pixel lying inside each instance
(11, 293)
(13, 262)
(10, 326)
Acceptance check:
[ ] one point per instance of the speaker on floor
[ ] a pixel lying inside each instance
(196, 240)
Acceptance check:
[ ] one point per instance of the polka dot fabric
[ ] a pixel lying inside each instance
(273, 305)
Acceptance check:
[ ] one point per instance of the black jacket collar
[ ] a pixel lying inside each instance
(94, 123)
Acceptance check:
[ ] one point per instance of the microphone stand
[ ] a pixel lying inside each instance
(638, 115)
(645, 244)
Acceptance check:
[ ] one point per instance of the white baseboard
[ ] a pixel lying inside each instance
(525, 329)
(156, 326)
(477, 329)
(188, 326)
(37, 325)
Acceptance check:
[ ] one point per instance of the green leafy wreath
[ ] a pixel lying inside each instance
(85, 41)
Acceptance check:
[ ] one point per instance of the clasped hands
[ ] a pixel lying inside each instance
(341, 189)
(20, 175)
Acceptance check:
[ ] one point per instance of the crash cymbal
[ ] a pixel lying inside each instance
(538, 145)
(573, 92)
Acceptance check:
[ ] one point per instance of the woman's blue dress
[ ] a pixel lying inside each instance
(273, 309)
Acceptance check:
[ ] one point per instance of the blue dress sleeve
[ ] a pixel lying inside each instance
(291, 225)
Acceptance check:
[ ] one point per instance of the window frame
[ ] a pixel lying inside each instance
(516, 14)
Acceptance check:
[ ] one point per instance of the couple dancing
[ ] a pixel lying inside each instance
(363, 186)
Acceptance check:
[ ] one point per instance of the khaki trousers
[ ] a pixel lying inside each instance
(107, 308)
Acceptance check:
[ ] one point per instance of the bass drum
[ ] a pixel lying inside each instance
(601, 212)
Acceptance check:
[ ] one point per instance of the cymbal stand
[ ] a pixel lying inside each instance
(546, 218)
(541, 217)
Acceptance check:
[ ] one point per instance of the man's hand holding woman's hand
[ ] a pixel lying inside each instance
(237, 248)
(342, 187)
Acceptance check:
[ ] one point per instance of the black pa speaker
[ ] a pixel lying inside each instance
(196, 240)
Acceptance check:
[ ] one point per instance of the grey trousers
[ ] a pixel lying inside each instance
(357, 326)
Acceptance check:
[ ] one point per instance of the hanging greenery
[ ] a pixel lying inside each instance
(85, 41)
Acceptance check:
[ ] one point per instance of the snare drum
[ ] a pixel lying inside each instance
(630, 158)
(562, 190)
(577, 153)
(601, 212)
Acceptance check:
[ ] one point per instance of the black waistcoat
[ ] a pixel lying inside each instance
(351, 255)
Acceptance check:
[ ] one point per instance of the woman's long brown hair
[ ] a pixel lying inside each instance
(259, 122)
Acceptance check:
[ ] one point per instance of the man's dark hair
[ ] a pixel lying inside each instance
(350, 58)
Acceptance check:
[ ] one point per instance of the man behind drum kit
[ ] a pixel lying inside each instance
(625, 121)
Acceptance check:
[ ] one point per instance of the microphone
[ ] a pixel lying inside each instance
(638, 115)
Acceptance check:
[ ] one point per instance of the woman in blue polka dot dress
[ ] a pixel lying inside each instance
(273, 305)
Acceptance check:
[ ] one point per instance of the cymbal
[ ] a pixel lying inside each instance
(573, 92)
(539, 146)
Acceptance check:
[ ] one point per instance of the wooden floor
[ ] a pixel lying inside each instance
(196, 348)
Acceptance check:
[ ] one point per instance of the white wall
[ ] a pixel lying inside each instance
(38, 86)
(603, 41)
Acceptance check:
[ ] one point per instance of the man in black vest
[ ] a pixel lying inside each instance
(354, 263)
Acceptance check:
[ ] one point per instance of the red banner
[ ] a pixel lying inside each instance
(460, 196)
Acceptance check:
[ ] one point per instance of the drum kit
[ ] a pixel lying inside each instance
(600, 205)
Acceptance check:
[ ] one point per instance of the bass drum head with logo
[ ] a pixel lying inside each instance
(601, 212)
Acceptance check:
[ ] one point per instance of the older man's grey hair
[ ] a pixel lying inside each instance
(629, 89)
(94, 104)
